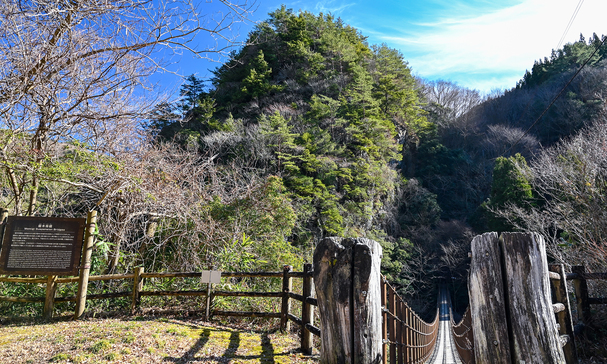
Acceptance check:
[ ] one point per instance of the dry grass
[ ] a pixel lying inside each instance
(143, 340)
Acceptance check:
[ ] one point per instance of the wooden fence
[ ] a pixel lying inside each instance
(562, 310)
(306, 298)
(406, 337)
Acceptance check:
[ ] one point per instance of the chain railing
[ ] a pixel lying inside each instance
(407, 339)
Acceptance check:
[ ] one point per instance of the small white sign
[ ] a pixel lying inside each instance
(210, 276)
(215, 276)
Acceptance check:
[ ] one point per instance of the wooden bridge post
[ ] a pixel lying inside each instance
(347, 279)
(530, 302)
(513, 317)
(488, 302)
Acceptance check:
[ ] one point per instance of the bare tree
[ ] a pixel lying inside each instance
(77, 70)
(571, 180)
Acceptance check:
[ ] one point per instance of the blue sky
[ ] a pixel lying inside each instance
(479, 44)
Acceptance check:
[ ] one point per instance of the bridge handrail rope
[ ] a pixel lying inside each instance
(406, 336)
(464, 340)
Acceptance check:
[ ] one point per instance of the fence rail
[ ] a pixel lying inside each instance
(306, 298)
(406, 337)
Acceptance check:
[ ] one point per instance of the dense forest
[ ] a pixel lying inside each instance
(308, 131)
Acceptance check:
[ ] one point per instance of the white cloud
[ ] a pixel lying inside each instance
(332, 6)
(503, 41)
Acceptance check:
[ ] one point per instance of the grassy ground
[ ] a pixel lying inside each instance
(143, 340)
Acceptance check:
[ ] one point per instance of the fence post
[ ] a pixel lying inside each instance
(137, 287)
(307, 310)
(559, 288)
(393, 323)
(85, 263)
(401, 313)
(347, 279)
(417, 337)
(384, 325)
(49, 302)
(581, 294)
(287, 286)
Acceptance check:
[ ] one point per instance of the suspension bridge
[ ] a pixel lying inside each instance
(511, 317)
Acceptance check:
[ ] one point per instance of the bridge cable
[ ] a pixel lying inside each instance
(577, 9)
(557, 96)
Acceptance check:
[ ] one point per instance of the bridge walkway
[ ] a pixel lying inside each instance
(444, 351)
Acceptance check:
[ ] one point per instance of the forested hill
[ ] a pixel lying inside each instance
(311, 102)
(362, 148)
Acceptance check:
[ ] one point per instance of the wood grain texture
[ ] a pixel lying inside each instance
(488, 302)
(347, 282)
(535, 338)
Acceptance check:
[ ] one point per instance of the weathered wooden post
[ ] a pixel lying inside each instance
(3, 214)
(49, 302)
(581, 294)
(559, 287)
(85, 263)
(287, 287)
(488, 301)
(534, 335)
(512, 313)
(137, 287)
(347, 279)
(307, 310)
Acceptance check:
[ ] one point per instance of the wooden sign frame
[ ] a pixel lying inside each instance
(42, 245)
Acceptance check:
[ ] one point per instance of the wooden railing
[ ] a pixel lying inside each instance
(463, 337)
(562, 310)
(406, 337)
(580, 279)
(306, 298)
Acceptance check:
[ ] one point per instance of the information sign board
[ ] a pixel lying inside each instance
(42, 245)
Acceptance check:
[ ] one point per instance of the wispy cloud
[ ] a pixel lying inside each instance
(504, 41)
(332, 6)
